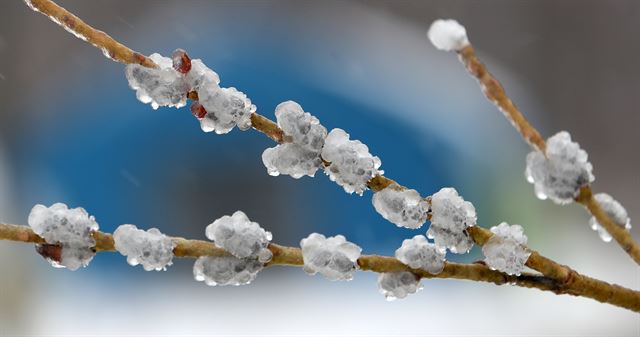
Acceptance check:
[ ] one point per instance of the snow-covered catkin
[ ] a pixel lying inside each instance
(333, 257)
(506, 250)
(398, 285)
(226, 270)
(419, 253)
(151, 249)
(218, 109)
(301, 155)
(614, 210)
(162, 86)
(562, 172)
(450, 217)
(71, 229)
(404, 208)
(448, 35)
(240, 237)
(352, 166)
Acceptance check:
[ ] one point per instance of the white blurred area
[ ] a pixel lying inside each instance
(38, 300)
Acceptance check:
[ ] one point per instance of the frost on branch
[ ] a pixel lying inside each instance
(163, 86)
(614, 210)
(352, 166)
(219, 109)
(300, 156)
(448, 35)
(560, 175)
(451, 215)
(334, 257)
(405, 208)
(419, 253)
(226, 270)
(240, 237)
(71, 229)
(398, 285)
(152, 249)
(506, 250)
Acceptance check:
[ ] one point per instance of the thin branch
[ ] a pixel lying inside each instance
(494, 91)
(555, 277)
(577, 285)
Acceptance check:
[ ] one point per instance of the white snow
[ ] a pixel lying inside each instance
(226, 270)
(334, 257)
(403, 207)
(352, 166)
(70, 228)
(615, 211)
(152, 249)
(419, 253)
(300, 156)
(451, 215)
(240, 236)
(560, 175)
(506, 250)
(398, 285)
(163, 86)
(448, 35)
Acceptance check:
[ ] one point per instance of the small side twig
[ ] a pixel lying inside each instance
(494, 91)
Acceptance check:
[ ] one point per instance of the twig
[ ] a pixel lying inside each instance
(576, 285)
(494, 91)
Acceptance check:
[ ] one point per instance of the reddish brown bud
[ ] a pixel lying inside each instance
(52, 253)
(181, 61)
(198, 110)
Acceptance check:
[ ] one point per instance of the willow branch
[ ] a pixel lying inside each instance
(494, 91)
(555, 277)
(576, 285)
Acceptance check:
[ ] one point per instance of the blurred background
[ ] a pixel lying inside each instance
(72, 131)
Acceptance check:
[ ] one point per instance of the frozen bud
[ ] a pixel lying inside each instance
(614, 210)
(448, 35)
(560, 175)
(226, 108)
(398, 285)
(419, 253)
(300, 156)
(181, 61)
(152, 249)
(198, 110)
(451, 215)
(405, 208)
(506, 250)
(226, 270)
(334, 257)
(162, 86)
(239, 236)
(352, 166)
(70, 229)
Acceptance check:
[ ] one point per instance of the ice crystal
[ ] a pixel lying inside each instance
(419, 253)
(226, 270)
(560, 175)
(448, 35)
(300, 156)
(226, 108)
(352, 166)
(162, 86)
(398, 285)
(240, 237)
(506, 250)
(451, 215)
(70, 229)
(405, 208)
(333, 257)
(152, 249)
(614, 210)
